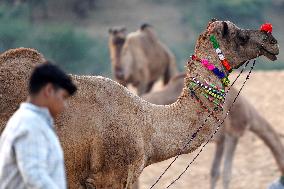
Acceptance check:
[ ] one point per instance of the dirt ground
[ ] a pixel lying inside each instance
(254, 166)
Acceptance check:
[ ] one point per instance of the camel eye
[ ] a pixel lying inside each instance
(273, 41)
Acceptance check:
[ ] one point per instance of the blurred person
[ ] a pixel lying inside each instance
(30, 153)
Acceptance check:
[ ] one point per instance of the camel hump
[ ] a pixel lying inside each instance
(147, 29)
(19, 53)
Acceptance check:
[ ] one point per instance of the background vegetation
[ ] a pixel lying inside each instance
(63, 30)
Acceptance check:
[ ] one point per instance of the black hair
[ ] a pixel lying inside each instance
(50, 73)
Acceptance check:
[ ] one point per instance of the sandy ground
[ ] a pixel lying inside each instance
(254, 166)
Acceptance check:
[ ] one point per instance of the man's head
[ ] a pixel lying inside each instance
(49, 86)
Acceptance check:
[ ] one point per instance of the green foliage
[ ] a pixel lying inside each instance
(63, 44)
(12, 33)
(72, 49)
(196, 13)
(238, 10)
(182, 52)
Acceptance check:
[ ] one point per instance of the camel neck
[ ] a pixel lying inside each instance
(178, 122)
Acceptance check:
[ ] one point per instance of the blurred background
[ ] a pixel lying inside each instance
(74, 33)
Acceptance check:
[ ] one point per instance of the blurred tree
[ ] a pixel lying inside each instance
(82, 7)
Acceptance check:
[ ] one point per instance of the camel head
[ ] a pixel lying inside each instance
(239, 45)
(15, 68)
(117, 36)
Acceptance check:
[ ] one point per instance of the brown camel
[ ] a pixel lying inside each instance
(140, 58)
(109, 135)
(242, 116)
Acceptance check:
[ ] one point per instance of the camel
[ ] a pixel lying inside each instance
(242, 117)
(108, 134)
(140, 58)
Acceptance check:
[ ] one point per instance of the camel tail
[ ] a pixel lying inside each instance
(268, 135)
(171, 70)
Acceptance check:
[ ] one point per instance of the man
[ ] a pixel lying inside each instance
(30, 152)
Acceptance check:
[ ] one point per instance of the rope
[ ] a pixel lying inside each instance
(195, 133)
(216, 128)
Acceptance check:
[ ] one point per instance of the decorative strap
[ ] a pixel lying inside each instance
(210, 91)
(221, 75)
(193, 95)
(221, 56)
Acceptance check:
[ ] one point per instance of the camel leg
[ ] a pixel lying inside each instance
(136, 185)
(149, 86)
(215, 169)
(141, 88)
(261, 127)
(230, 148)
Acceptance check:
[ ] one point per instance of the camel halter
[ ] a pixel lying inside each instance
(267, 27)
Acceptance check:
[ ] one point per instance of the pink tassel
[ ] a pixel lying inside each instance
(210, 67)
(205, 62)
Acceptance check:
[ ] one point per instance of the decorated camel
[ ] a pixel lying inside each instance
(242, 117)
(109, 135)
(140, 58)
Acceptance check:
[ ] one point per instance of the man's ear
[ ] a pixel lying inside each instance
(48, 90)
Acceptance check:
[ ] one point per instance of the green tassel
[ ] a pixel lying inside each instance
(214, 41)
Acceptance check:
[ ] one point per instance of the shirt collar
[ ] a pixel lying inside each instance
(42, 111)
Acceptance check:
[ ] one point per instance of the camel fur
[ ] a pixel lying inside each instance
(140, 58)
(108, 134)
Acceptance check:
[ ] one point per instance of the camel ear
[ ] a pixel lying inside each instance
(144, 25)
(225, 30)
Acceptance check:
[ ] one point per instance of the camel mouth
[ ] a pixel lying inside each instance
(268, 54)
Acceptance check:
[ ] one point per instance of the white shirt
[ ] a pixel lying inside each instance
(30, 153)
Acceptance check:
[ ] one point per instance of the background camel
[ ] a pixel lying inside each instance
(109, 135)
(242, 117)
(140, 58)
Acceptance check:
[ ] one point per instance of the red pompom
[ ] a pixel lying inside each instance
(267, 27)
